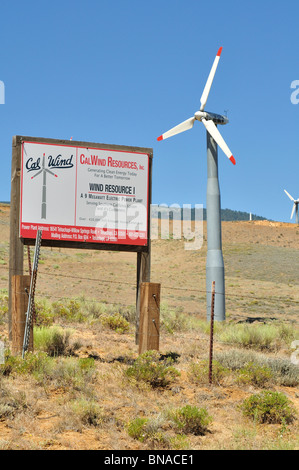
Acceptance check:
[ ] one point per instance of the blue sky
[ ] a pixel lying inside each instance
(124, 72)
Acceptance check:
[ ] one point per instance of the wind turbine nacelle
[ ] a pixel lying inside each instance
(216, 118)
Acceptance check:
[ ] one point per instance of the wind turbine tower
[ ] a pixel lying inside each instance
(214, 263)
(295, 206)
(44, 171)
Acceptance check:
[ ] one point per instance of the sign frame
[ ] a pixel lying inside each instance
(16, 248)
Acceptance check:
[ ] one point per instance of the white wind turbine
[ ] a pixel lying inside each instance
(44, 171)
(214, 264)
(295, 206)
(208, 119)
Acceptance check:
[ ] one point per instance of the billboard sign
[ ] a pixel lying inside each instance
(82, 193)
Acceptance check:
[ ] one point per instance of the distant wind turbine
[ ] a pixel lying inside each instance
(44, 171)
(295, 206)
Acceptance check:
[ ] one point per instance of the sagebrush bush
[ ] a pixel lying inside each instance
(254, 374)
(72, 373)
(66, 372)
(69, 310)
(43, 313)
(54, 341)
(116, 322)
(137, 429)
(173, 319)
(34, 363)
(263, 337)
(89, 412)
(3, 306)
(269, 407)
(12, 403)
(199, 372)
(149, 368)
(283, 372)
(191, 420)
(152, 432)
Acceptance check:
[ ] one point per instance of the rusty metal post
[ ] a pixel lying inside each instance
(30, 274)
(212, 333)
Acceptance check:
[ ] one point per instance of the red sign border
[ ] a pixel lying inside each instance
(127, 243)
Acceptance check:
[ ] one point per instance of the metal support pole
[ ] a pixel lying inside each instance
(214, 264)
(29, 313)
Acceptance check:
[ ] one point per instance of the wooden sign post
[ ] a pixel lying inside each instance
(19, 304)
(149, 327)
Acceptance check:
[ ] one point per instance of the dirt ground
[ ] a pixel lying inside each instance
(262, 278)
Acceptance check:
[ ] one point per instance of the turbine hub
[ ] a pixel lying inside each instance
(216, 118)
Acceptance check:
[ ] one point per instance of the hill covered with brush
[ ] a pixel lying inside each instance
(227, 215)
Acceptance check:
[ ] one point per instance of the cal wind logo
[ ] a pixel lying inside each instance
(44, 172)
(59, 162)
(53, 162)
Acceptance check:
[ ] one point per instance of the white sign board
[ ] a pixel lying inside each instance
(84, 194)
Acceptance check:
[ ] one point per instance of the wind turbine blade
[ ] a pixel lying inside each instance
(36, 174)
(207, 88)
(293, 210)
(213, 131)
(292, 199)
(184, 126)
(51, 173)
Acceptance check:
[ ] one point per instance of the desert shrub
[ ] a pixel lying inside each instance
(254, 374)
(3, 306)
(8, 366)
(235, 359)
(89, 412)
(260, 337)
(36, 364)
(149, 368)
(116, 322)
(263, 337)
(287, 332)
(199, 372)
(62, 371)
(70, 310)
(269, 407)
(11, 403)
(173, 319)
(137, 429)
(191, 420)
(283, 372)
(129, 313)
(94, 309)
(72, 373)
(43, 313)
(54, 341)
(152, 432)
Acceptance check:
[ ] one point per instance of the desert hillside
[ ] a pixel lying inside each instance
(78, 291)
